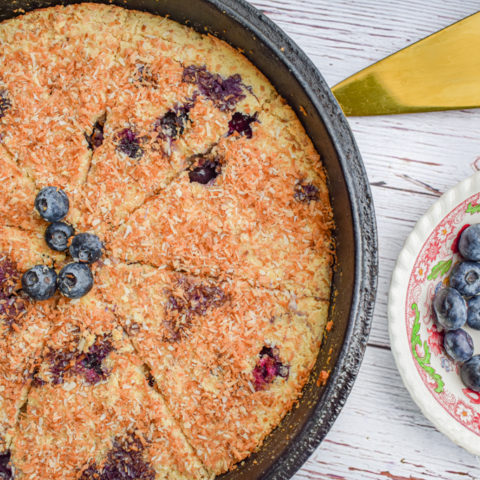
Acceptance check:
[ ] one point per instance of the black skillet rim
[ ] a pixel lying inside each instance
(348, 364)
(349, 360)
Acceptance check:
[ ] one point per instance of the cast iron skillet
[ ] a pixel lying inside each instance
(354, 283)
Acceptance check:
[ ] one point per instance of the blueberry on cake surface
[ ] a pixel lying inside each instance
(192, 303)
(57, 236)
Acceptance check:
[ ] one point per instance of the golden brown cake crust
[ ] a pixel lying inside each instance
(210, 302)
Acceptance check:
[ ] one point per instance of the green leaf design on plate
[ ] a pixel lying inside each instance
(440, 269)
(424, 361)
(473, 209)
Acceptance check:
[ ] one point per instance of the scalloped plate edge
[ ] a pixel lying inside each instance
(400, 346)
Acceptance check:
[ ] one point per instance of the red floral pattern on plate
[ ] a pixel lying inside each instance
(461, 403)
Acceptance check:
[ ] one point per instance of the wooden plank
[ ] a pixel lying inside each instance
(410, 160)
(381, 434)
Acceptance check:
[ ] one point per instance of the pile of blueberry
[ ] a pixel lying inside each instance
(75, 279)
(459, 304)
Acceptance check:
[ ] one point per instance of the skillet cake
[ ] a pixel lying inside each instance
(209, 305)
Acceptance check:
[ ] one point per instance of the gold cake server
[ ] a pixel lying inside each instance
(440, 72)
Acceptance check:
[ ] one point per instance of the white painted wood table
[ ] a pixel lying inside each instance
(410, 161)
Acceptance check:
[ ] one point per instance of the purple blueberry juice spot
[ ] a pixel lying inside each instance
(128, 143)
(242, 124)
(188, 300)
(173, 123)
(6, 471)
(95, 139)
(60, 365)
(268, 368)
(205, 170)
(9, 276)
(66, 363)
(5, 102)
(91, 364)
(225, 93)
(125, 461)
(305, 192)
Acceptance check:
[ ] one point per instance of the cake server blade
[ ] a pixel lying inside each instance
(440, 72)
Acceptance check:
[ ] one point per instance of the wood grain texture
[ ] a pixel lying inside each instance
(411, 160)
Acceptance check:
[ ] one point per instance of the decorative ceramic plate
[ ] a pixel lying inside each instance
(423, 266)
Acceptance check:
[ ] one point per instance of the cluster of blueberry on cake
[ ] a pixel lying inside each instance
(165, 249)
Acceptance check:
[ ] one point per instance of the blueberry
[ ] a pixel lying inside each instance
(465, 278)
(57, 235)
(173, 123)
(268, 368)
(75, 280)
(91, 365)
(469, 243)
(86, 248)
(125, 461)
(52, 204)
(458, 344)
(241, 123)
(6, 472)
(129, 143)
(305, 192)
(225, 93)
(205, 172)
(473, 312)
(450, 309)
(470, 373)
(40, 282)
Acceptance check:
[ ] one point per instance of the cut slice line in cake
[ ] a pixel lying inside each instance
(91, 412)
(230, 360)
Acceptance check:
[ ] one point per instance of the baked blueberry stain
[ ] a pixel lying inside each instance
(205, 170)
(186, 301)
(5, 102)
(6, 471)
(12, 305)
(91, 365)
(66, 363)
(173, 123)
(305, 192)
(128, 143)
(268, 368)
(125, 461)
(242, 124)
(95, 139)
(225, 93)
